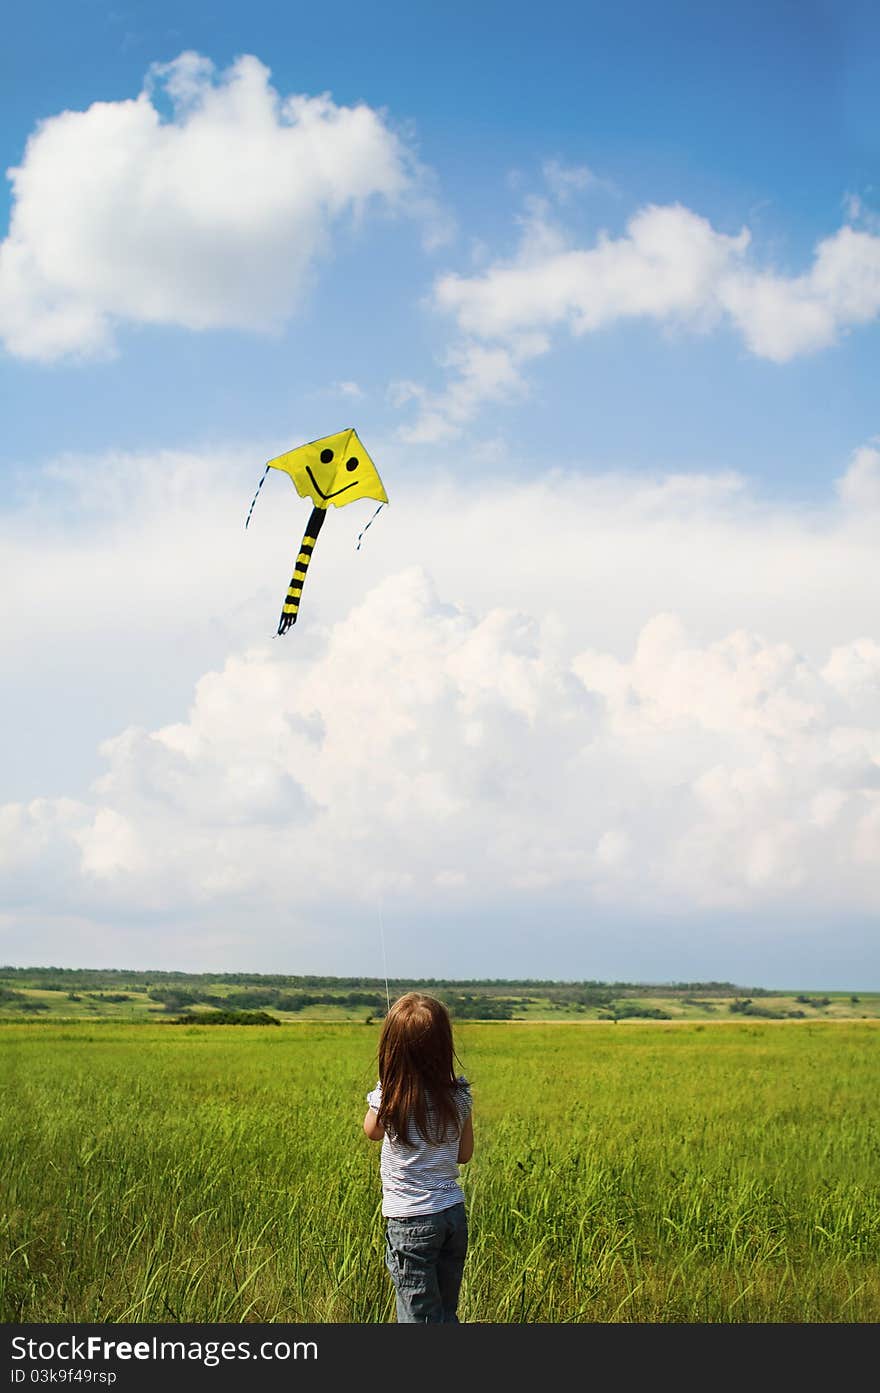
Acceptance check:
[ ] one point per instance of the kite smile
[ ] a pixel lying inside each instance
(328, 496)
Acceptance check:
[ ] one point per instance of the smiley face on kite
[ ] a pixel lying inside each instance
(335, 469)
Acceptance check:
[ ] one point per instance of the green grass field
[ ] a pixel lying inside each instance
(661, 1172)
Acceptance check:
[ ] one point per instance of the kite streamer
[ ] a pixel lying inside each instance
(256, 496)
(369, 524)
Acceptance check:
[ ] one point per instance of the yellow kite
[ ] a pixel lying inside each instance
(335, 469)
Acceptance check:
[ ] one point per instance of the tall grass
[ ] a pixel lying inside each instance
(621, 1173)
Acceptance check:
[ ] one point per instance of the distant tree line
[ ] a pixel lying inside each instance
(748, 1008)
(226, 1018)
(471, 1007)
(19, 1002)
(175, 998)
(629, 1011)
(588, 992)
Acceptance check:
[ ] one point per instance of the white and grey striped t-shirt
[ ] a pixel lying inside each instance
(422, 1178)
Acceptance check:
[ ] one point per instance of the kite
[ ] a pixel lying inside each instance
(335, 469)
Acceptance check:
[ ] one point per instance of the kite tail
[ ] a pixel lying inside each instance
(294, 590)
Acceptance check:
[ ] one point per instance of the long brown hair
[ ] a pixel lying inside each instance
(416, 1070)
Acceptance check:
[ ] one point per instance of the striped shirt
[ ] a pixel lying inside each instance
(422, 1178)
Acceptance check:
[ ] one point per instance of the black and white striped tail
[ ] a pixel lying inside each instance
(256, 496)
(294, 590)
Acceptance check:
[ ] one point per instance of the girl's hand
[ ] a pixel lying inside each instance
(373, 1127)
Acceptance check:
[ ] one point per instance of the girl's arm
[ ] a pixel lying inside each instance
(465, 1142)
(372, 1126)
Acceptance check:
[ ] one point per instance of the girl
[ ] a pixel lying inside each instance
(421, 1113)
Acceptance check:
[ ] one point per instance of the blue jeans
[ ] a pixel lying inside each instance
(425, 1255)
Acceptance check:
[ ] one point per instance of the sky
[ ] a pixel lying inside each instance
(597, 695)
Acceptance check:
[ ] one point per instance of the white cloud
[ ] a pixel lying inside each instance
(670, 266)
(781, 317)
(859, 487)
(566, 180)
(349, 389)
(213, 217)
(671, 705)
(483, 373)
(469, 755)
(858, 212)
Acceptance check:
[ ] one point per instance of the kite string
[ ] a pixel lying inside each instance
(363, 530)
(384, 961)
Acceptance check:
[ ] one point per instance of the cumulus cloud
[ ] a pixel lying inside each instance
(674, 706)
(667, 263)
(781, 317)
(859, 486)
(669, 266)
(212, 215)
(470, 756)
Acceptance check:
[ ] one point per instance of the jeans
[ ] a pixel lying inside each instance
(425, 1255)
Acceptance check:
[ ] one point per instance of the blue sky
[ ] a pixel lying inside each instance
(755, 116)
(613, 275)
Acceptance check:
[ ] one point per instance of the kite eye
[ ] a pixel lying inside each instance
(326, 456)
(352, 464)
